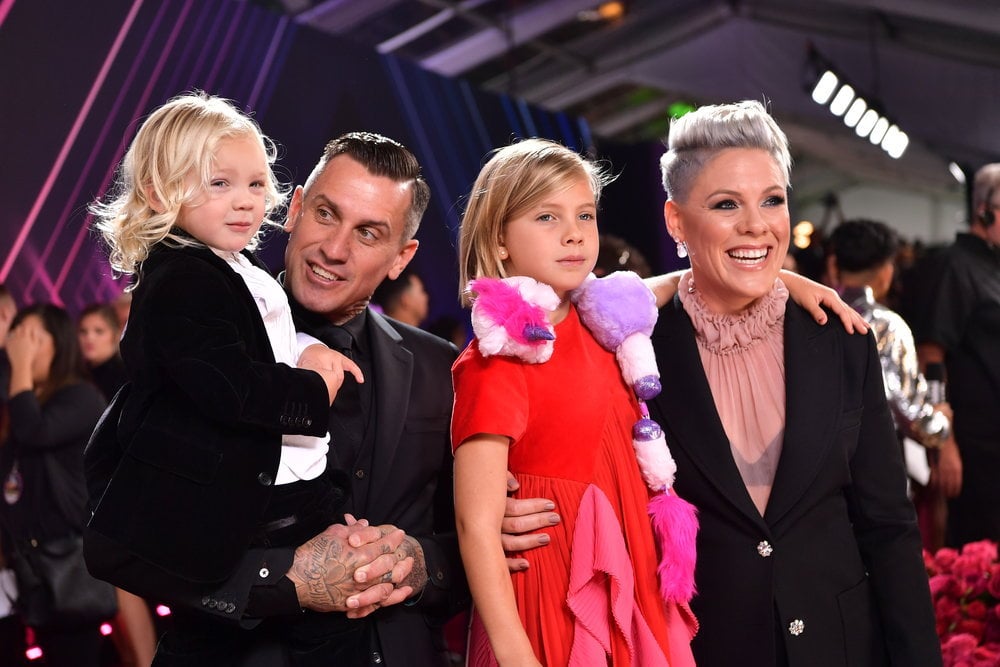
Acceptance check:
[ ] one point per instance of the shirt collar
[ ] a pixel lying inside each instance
(314, 323)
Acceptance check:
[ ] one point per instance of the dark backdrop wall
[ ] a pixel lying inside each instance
(78, 77)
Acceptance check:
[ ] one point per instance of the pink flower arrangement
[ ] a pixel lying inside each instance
(965, 587)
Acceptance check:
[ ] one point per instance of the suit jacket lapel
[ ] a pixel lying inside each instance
(813, 377)
(686, 410)
(392, 365)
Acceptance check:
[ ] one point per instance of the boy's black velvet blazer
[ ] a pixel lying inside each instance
(181, 471)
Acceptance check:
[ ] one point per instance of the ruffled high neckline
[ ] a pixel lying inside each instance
(730, 334)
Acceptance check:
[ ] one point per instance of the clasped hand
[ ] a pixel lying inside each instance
(354, 568)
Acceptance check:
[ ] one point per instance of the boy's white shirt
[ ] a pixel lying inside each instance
(303, 457)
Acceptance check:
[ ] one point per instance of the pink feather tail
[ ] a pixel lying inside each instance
(675, 524)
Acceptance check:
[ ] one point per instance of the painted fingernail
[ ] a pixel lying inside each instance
(550, 506)
(554, 518)
(544, 539)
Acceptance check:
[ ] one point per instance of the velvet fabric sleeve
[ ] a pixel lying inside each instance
(198, 344)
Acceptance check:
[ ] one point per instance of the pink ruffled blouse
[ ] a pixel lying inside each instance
(743, 358)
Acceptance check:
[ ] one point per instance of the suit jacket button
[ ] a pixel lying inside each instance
(765, 549)
(265, 479)
(796, 627)
(307, 422)
(230, 607)
(205, 601)
(283, 420)
(264, 572)
(212, 604)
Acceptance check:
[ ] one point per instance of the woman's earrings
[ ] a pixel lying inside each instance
(503, 252)
(682, 249)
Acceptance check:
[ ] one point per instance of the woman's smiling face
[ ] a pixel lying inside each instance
(736, 226)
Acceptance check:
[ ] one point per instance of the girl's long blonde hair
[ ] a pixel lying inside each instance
(178, 139)
(516, 178)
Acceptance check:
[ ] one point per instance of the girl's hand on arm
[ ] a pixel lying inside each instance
(813, 296)
(480, 500)
(664, 287)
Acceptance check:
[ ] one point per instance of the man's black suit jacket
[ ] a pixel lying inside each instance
(837, 548)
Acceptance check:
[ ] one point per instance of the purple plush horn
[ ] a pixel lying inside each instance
(533, 332)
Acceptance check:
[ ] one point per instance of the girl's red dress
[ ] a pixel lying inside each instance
(593, 590)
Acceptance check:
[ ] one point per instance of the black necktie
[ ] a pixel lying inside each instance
(347, 428)
(339, 339)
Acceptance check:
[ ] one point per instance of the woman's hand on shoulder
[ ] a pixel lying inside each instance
(813, 296)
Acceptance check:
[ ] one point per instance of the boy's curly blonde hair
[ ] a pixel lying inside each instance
(179, 138)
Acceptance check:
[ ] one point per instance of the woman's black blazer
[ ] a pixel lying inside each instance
(832, 574)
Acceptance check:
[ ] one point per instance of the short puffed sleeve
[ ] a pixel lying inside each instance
(490, 397)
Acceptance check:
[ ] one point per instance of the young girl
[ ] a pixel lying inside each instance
(563, 426)
(223, 439)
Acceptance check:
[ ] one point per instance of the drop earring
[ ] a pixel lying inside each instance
(682, 249)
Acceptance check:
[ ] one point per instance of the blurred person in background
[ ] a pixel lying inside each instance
(99, 331)
(617, 254)
(958, 325)
(51, 412)
(12, 643)
(861, 263)
(404, 298)
(8, 309)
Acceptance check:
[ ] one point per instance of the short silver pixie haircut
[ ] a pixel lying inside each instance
(699, 136)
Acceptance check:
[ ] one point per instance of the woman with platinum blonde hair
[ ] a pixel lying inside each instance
(808, 550)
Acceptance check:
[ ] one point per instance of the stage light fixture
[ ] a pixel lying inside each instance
(895, 142)
(825, 87)
(844, 100)
(878, 132)
(866, 123)
(956, 172)
(802, 234)
(854, 113)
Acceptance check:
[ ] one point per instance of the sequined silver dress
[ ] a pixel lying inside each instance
(905, 386)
